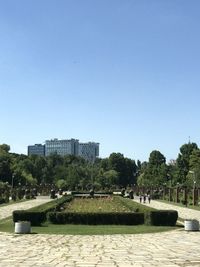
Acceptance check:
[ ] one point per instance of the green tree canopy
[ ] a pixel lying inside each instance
(183, 159)
(155, 171)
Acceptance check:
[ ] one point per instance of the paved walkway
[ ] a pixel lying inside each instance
(184, 213)
(6, 211)
(170, 249)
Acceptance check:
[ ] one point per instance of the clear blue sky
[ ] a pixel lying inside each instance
(124, 73)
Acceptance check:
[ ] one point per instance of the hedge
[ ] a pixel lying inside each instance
(3, 200)
(162, 217)
(35, 217)
(96, 218)
(54, 205)
(38, 215)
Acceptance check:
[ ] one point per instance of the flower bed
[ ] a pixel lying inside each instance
(104, 204)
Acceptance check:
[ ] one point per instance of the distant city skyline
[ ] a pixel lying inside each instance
(125, 73)
(168, 159)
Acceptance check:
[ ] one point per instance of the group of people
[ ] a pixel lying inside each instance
(145, 197)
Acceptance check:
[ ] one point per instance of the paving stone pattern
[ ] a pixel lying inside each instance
(170, 249)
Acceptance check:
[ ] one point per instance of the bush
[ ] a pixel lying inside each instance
(35, 217)
(96, 218)
(2, 201)
(162, 217)
(38, 215)
(52, 205)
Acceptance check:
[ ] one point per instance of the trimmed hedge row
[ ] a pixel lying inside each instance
(50, 211)
(127, 218)
(35, 217)
(156, 218)
(162, 217)
(54, 205)
(38, 215)
(3, 200)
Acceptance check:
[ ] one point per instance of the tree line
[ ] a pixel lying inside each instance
(116, 171)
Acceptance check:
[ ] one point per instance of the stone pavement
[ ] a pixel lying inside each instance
(170, 249)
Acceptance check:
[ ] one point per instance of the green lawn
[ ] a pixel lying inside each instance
(7, 225)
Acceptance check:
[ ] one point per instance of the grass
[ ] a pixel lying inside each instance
(7, 225)
(105, 204)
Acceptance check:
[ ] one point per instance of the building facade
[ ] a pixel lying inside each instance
(89, 151)
(36, 149)
(61, 147)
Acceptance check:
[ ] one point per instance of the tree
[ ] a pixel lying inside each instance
(155, 171)
(193, 176)
(110, 178)
(131, 171)
(156, 158)
(5, 148)
(73, 177)
(183, 161)
(61, 184)
(5, 166)
(124, 167)
(104, 163)
(30, 180)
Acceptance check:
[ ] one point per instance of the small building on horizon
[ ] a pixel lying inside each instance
(89, 151)
(37, 149)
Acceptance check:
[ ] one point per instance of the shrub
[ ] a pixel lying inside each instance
(53, 205)
(2, 200)
(35, 217)
(38, 215)
(127, 218)
(162, 217)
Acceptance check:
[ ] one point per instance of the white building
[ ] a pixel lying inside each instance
(61, 147)
(89, 151)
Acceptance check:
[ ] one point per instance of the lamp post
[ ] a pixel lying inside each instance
(194, 188)
(177, 192)
(12, 183)
(92, 173)
(13, 196)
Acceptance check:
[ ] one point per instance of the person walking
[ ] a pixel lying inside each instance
(149, 198)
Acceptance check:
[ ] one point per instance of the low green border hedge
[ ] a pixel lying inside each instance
(96, 218)
(35, 217)
(38, 215)
(162, 217)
